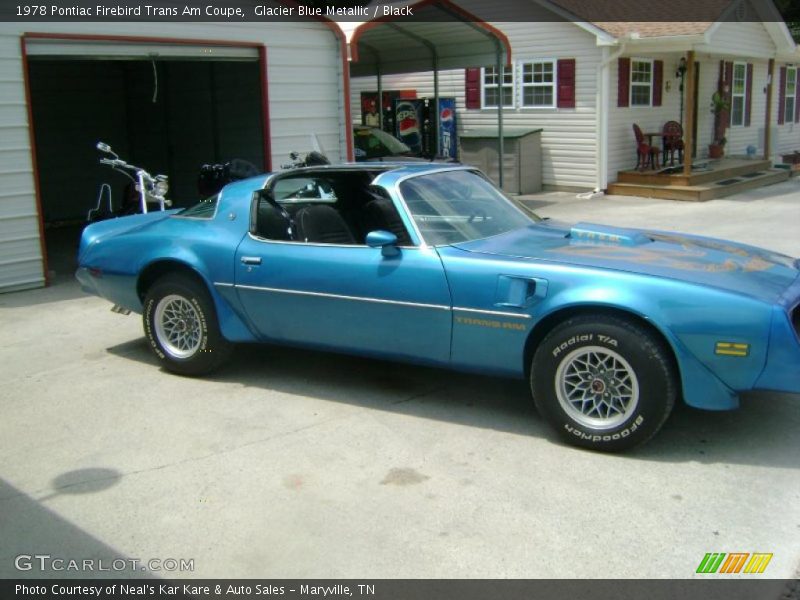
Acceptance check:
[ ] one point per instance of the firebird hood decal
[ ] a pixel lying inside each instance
(726, 265)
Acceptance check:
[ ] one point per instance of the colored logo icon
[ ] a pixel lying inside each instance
(734, 562)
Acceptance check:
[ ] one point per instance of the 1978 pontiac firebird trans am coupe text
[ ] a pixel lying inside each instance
(432, 264)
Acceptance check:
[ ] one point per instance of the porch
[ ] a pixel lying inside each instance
(708, 179)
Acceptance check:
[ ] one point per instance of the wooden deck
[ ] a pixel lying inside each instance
(709, 179)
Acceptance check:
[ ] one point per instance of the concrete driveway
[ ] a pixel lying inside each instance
(291, 463)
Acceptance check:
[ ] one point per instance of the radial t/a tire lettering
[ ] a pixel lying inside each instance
(604, 382)
(181, 326)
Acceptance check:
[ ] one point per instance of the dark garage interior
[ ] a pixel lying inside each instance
(167, 116)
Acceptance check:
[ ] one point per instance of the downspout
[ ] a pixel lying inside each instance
(768, 115)
(500, 70)
(601, 120)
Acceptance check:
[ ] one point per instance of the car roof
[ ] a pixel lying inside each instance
(388, 173)
(400, 167)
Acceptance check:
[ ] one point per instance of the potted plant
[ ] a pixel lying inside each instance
(720, 107)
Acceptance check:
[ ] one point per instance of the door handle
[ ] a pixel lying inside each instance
(251, 260)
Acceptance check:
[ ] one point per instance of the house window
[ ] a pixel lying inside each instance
(790, 95)
(492, 89)
(641, 82)
(738, 90)
(538, 84)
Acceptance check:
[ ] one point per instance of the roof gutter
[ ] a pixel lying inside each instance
(669, 43)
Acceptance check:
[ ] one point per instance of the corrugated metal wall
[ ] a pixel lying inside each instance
(304, 70)
(20, 251)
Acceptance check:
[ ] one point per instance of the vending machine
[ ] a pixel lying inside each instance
(409, 115)
(369, 108)
(448, 132)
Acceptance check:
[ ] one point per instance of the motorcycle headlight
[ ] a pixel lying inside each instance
(161, 187)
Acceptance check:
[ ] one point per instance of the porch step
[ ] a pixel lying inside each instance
(721, 169)
(701, 193)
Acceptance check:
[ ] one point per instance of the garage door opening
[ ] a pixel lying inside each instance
(167, 114)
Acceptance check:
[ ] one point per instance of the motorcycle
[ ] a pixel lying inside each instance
(143, 192)
(316, 157)
(312, 159)
(213, 177)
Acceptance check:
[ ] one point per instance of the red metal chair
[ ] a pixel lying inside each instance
(673, 140)
(646, 155)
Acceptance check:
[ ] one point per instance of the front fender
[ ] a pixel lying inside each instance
(693, 319)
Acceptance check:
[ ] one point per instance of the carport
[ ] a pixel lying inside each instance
(439, 35)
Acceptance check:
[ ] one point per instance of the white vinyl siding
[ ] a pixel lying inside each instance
(21, 262)
(621, 140)
(304, 71)
(748, 39)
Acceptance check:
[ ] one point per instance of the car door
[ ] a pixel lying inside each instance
(346, 297)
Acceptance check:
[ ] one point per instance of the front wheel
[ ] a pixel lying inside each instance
(603, 382)
(180, 324)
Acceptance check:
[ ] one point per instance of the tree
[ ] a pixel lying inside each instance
(790, 11)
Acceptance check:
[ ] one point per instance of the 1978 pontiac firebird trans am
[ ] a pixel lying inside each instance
(432, 264)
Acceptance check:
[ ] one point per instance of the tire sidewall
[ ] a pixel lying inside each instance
(645, 356)
(211, 345)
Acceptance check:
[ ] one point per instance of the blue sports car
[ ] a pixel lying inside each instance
(432, 264)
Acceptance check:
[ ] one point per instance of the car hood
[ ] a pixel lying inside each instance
(726, 265)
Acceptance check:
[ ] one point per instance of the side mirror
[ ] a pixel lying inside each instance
(385, 240)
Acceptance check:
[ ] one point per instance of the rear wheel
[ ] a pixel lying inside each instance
(603, 382)
(180, 324)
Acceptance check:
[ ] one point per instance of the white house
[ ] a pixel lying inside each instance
(169, 96)
(586, 83)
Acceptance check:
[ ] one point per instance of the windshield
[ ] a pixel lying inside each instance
(204, 209)
(460, 206)
(376, 143)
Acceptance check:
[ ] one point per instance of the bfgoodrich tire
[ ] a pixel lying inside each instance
(181, 326)
(603, 382)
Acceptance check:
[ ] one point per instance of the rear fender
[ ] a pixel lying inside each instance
(231, 322)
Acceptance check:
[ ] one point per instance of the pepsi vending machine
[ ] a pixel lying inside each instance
(448, 140)
(409, 122)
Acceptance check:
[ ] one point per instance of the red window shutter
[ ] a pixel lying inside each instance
(728, 90)
(624, 82)
(566, 83)
(748, 95)
(472, 85)
(782, 97)
(658, 81)
(796, 90)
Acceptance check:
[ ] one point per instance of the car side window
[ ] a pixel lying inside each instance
(327, 208)
(302, 190)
